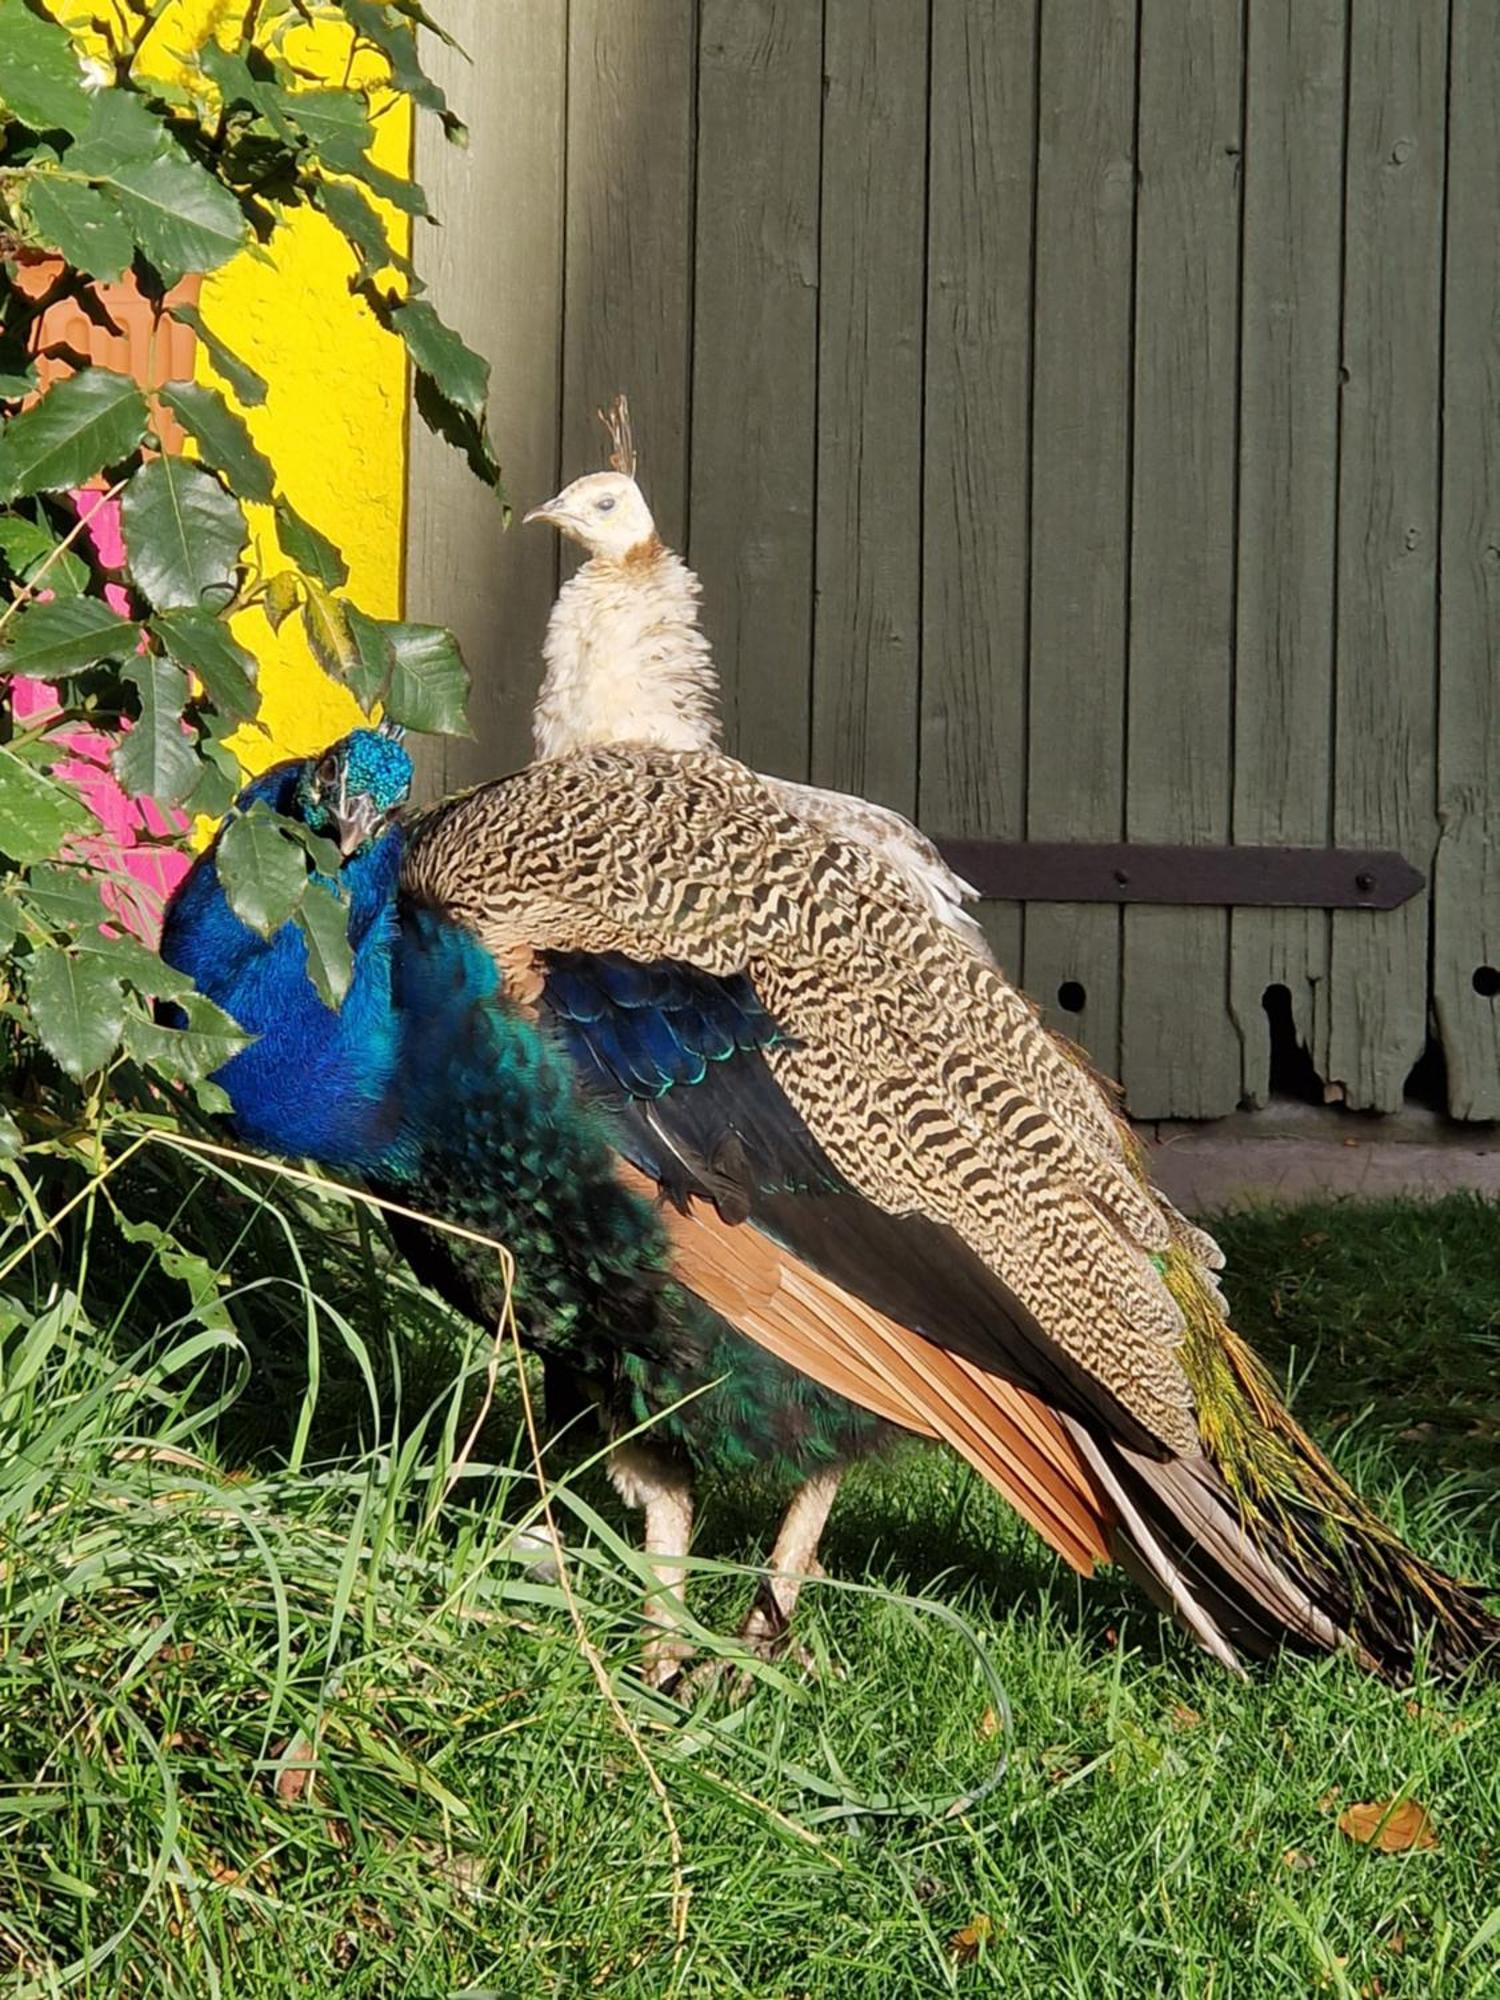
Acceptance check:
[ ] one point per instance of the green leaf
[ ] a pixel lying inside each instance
(81, 223)
(429, 683)
(308, 548)
(413, 10)
(182, 218)
(154, 759)
(90, 420)
(360, 225)
(463, 432)
(219, 774)
(398, 43)
(118, 132)
(325, 619)
(462, 375)
(215, 791)
(36, 813)
(222, 438)
(283, 594)
(78, 1009)
(199, 640)
(66, 898)
(40, 79)
(246, 384)
(333, 121)
(409, 196)
(264, 873)
(203, 1282)
(184, 534)
(192, 1053)
(26, 546)
(64, 636)
(127, 958)
(11, 1137)
(369, 675)
(324, 923)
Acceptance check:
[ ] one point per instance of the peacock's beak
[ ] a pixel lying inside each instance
(357, 818)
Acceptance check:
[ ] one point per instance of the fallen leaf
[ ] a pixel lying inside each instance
(1294, 1857)
(989, 1722)
(1329, 1799)
(1393, 1829)
(965, 1944)
(298, 1761)
(1182, 1717)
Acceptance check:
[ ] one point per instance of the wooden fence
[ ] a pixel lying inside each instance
(1085, 417)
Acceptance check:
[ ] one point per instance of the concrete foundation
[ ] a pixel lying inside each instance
(1295, 1152)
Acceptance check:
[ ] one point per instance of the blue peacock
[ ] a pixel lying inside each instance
(788, 1170)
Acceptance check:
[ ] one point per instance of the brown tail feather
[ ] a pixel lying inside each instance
(1016, 1442)
(1240, 1587)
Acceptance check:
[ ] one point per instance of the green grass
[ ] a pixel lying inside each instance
(202, 1567)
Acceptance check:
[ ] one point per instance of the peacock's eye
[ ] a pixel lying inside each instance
(606, 503)
(328, 773)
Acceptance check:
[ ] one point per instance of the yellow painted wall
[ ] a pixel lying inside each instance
(334, 421)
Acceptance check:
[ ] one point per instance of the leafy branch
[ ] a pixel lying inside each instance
(139, 184)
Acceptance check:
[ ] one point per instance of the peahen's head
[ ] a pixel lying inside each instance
(351, 791)
(604, 511)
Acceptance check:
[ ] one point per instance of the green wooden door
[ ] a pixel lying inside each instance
(1085, 419)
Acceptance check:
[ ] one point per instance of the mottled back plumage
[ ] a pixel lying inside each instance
(930, 1082)
(936, 1093)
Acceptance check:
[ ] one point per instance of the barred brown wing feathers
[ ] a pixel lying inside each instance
(930, 1083)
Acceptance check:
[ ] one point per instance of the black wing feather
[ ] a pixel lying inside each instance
(709, 1120)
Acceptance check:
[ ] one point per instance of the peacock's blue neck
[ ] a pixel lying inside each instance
(317, 1081)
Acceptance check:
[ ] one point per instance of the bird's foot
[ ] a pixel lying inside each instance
(664, 1660)
(766, 1636)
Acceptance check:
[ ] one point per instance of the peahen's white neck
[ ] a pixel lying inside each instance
(626, 661)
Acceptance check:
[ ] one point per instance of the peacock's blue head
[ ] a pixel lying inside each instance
(351, 791)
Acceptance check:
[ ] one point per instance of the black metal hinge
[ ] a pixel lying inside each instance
(1077, 871)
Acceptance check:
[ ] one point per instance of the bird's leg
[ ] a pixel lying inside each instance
(793, 1560)
(650, 1480)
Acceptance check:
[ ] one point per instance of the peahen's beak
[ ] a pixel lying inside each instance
(553, 510)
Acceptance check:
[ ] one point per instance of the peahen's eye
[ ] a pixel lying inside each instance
(606, 503)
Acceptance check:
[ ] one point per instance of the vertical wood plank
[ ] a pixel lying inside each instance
(755, 366)
(975, 525)
(866, 631)
(1080, 491)
(628, 291)
(1289, 426)
(1467, 877)
(1180, 1055)
(1384, 747)
(495, 272)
